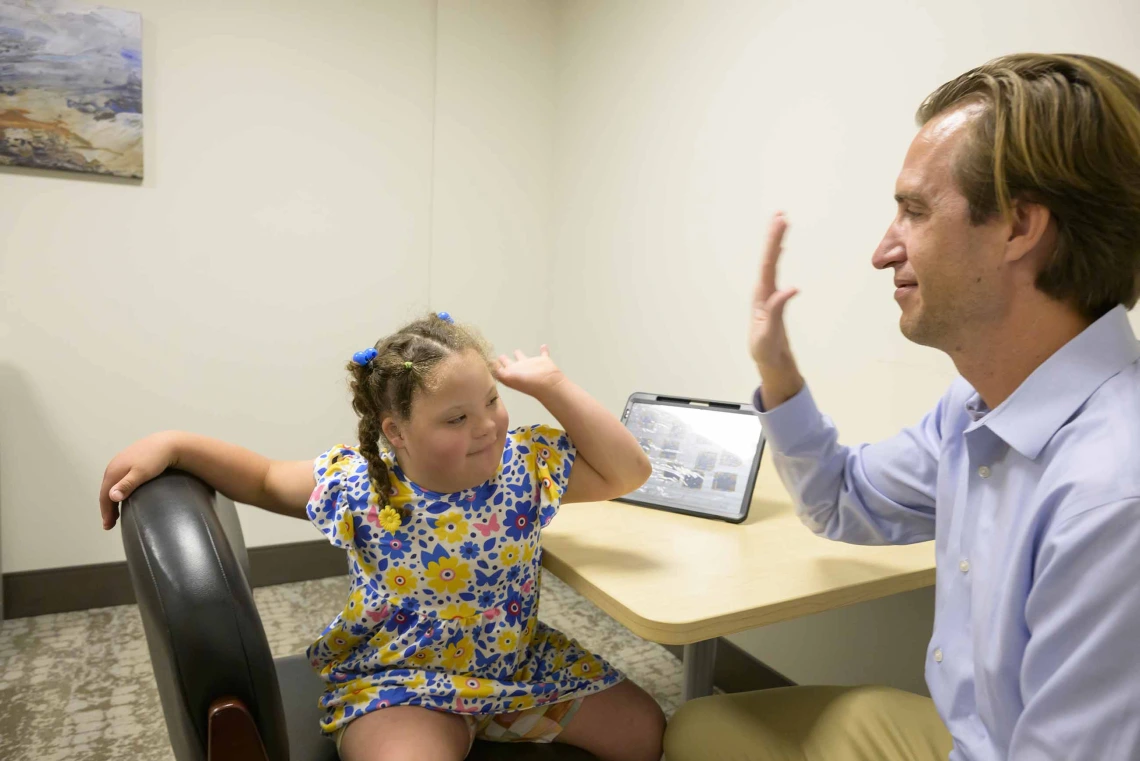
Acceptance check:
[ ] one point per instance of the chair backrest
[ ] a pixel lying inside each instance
(190, 573)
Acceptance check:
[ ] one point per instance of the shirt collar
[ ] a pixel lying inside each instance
(1045, 401)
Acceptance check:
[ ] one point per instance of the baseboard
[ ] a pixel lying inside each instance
(62, 590)
(736, 670)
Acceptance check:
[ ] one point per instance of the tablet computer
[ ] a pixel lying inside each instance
(705, 454)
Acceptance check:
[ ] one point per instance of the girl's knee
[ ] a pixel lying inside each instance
(647, 723)
(394, 734)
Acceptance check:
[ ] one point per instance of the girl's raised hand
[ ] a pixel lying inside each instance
(530, 375)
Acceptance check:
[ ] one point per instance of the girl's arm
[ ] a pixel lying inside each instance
(610, 462)
(276, 485)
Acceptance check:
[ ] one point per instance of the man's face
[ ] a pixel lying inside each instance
(949, 273)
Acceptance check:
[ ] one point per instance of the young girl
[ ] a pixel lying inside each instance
(439, 642)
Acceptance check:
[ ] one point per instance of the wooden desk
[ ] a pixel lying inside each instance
(680, 580)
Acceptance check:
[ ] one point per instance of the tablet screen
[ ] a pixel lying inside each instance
(704, 458)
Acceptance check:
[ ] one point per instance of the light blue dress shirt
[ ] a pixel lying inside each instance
(1034, 508)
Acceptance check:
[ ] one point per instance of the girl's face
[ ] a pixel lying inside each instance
(455, 435)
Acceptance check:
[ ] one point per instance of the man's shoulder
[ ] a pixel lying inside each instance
(1095, 455)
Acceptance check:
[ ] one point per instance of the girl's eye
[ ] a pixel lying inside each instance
(493, 402)
(457, 420)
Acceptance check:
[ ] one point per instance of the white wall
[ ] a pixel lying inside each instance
(494, 167)
(316, 173)
(680, 128)
(593, 174)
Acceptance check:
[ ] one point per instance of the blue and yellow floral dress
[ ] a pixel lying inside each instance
(443, 607)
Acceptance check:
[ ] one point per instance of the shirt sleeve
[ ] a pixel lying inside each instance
(1080, 677)
(552, 454)
(329, 507)
(880, 493)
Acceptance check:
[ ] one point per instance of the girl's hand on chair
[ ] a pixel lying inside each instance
(132, 468)
(533, 376)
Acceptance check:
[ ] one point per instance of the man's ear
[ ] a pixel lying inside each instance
(1032, 229)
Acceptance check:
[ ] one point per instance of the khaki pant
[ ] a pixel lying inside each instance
(809, 724)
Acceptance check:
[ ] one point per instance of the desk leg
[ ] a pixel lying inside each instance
(698, 659)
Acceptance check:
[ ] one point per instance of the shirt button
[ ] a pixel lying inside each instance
(938, 655)
(964, 566)
(984, 472)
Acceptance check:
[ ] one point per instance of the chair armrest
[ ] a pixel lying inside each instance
(202, 628)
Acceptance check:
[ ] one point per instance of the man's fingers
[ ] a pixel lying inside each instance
(766, 284)
(777, 303)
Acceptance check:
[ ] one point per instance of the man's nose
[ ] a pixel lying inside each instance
(890, 251)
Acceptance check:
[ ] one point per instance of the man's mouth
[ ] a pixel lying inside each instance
(904, 288)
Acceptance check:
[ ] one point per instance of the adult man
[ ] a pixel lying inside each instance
(1015, 250)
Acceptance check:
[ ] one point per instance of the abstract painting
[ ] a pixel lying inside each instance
(71, 87)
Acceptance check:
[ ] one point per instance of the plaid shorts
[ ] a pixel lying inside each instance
(540, 724)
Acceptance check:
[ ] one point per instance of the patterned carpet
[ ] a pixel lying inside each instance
(80, 686)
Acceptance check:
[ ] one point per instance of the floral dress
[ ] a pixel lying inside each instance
(443, 607)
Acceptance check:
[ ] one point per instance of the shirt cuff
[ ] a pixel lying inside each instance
(792, 423)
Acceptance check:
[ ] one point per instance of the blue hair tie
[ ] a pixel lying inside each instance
(362, 358)
(446, 317)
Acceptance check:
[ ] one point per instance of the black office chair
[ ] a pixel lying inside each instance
(223, 694)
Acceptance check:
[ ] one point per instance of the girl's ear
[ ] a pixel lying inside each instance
(392, 432)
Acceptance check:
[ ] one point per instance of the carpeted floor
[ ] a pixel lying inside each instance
(79, 685)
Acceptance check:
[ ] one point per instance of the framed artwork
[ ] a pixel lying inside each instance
(71, 87)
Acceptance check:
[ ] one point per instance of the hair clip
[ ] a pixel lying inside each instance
(446, 317)
(365, 356)
(407, 365)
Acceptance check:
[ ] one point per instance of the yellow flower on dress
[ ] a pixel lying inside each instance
(447, 575)
(344, 530)
(528, 553)
(521, 704)
(548, 456)
(379, 639)
(546, 484)
(335, 462)
(586, 666)
(399, 494)
(392, 654)
(543, 459)
(390, 519)
(354, 609)
(510, 554)
(450, 527)
(472, 687)
(457, 657)
(339, 641)
(508, 641)
(361, 694)
(463, 612)
(400, 580)
(419, 680)
(422, 658)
